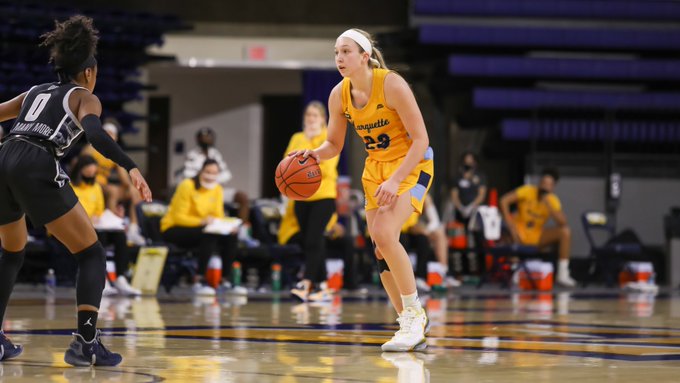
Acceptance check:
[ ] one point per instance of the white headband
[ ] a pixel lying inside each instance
(359, 39)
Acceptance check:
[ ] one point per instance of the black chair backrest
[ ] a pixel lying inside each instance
(595, 221)
(259, 226)
(149, 215)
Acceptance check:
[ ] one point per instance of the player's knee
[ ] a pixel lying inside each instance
(91, 274)
(382, 237)
(93, 253)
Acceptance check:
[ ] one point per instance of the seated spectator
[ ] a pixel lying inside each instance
(468, 192)
(428, 233)
(91, 196)
(197, 202)
(205, 139)
(535, 206)
(116, 185)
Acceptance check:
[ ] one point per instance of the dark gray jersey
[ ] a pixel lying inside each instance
(46, 115)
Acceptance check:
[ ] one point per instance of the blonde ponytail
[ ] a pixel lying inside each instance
(376, 60)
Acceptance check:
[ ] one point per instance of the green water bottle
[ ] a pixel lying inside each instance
(236, 273)
(375, 278)
(276, 277)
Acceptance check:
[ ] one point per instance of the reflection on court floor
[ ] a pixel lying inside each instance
(475, 337)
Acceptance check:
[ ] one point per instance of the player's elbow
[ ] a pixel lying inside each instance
(336, 148)
(422, 143)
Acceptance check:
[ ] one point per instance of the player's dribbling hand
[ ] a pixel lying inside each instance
(140, 184)
(305, 153)
(387, 193)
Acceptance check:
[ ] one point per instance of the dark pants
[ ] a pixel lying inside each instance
(313, 217)
(477, 238)
(421, 245)
(207, 244)
(121, 256)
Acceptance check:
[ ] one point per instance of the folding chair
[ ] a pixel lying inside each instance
(605, 255)
(498, 251)
(180, 261)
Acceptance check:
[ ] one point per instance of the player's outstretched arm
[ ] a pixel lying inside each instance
(89, 110)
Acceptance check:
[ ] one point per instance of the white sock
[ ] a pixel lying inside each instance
(563, 268)
(411, 300)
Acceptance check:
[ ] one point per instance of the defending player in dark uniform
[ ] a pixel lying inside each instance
(50, 118)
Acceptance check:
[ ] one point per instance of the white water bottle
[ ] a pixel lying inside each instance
(50, 282)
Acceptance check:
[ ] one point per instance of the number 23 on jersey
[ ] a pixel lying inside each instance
(383, 142)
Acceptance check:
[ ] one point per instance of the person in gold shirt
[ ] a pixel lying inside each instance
(535, 206)
(380, 107)
(91, 196)
(196, 203)
(313, 214)
(116, 184)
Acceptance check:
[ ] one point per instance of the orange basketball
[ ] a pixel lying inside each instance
(298, 178)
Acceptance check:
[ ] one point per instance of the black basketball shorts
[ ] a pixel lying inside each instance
(32, 183)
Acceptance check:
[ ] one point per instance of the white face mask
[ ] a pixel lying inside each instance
(209, 181)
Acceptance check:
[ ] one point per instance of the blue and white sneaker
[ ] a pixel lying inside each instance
(92, 353)
(9, 350)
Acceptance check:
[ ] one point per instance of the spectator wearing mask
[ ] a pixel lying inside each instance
(469, 188)
(116, 184)
(91, 196)
(205, 139)
(197, 202)
(535, 206)
(469, 191)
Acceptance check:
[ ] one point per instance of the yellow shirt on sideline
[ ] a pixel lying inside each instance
(190, 206)
(91, 197)
(532, 214)
(329, 168)
(104, 165)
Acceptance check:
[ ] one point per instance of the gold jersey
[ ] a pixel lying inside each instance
(380, 127)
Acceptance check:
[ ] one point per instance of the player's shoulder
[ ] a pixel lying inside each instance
(337, 89)
(525, 189)
(553, 198)
(393, 81)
